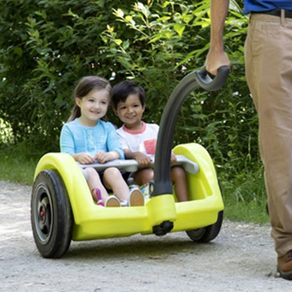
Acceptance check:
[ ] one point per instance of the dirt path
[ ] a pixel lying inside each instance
(241, 258)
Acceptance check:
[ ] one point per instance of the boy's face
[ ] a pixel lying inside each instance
(131, 111)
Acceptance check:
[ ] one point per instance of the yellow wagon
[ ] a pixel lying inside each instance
(62, 208)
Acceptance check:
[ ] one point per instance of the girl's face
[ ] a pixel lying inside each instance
(131, 111)
(93, 107)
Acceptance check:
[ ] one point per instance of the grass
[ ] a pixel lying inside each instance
(244, 197)
(242, 211)
(17, 169)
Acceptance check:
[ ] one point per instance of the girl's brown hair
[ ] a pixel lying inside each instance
(84, 86)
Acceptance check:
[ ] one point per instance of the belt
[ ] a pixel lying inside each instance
(288, 13)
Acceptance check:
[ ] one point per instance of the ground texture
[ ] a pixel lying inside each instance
(241, 258)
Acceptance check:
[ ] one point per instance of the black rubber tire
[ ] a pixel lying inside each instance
(207, 233)
(51, 215)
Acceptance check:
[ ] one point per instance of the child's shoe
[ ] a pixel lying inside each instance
(99, 199)
(124, 203)
(112, 201)
(145, 190)
(136, 198)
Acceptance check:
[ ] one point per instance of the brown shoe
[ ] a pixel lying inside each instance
(112, 201)
(136, 198)
(285, 265)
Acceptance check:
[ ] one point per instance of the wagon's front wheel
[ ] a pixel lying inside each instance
(51, 214)
(207, 233)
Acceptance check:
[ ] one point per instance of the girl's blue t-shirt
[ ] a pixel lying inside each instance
(266, 5)
(76, 138)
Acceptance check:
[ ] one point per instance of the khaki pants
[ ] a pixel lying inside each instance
(268, 57)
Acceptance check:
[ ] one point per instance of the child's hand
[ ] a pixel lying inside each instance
(84, 158)
(103, 157)
(142, 159)
(172, 158)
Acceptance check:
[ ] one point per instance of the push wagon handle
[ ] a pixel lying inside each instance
(209, 84)
(195, 79)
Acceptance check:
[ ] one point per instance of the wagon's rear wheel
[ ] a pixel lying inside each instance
(207, 233)
(51, 214)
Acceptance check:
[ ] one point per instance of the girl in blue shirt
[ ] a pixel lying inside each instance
(89, 139)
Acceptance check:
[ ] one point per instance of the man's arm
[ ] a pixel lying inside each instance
(216, 56)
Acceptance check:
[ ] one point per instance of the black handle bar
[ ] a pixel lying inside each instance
(199, 78)
(206, 82)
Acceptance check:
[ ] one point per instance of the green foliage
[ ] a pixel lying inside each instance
(16, 168)
(46, 46)
(245, 197)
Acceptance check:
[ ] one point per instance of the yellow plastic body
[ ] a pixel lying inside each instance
(205, 200)
(94, 222)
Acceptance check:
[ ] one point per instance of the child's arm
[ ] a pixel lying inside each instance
(173, 157)
(67, 145)
(115, 150)
(141, 158)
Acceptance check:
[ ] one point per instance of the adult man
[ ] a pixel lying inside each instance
(268, 58)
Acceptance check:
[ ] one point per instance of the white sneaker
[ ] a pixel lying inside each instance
(112, 201)
(136, 198)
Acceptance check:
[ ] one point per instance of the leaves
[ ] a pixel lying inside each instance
(179, 28)
(46, 46)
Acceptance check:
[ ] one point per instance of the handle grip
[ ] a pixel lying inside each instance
(209, 84)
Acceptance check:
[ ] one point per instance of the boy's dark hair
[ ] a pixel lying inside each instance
(125, 88)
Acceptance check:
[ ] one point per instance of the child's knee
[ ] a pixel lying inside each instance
(149, 174)
(91, 172)
(178, 172)
(143, 176)
(112, 172)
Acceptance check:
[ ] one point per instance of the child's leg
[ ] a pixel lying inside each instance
(94, 182)
(113, 180)
(179, 179)
(143, 176)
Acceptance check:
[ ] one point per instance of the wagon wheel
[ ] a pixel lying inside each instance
(207, 233)
(51, 214)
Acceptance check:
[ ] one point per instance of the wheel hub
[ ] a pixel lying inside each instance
(44, 217)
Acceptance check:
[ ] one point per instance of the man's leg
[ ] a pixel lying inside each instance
(268, 52)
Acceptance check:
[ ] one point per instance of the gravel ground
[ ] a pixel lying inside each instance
(241, 258)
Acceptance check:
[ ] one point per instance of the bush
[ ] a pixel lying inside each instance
(46, 46)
